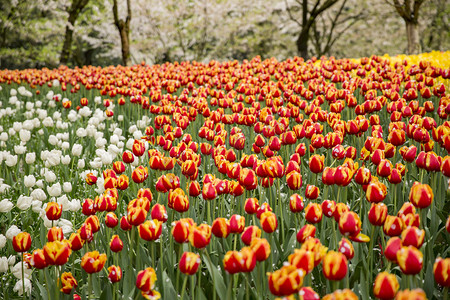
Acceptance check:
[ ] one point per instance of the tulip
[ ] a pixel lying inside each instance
(377, 214)
(413, 236)
(312, 192)
(159, 213)
(314, 245)
(306, 293)
(376, 192)
(334, 265)
(416, 294)
(181, 229)
(250, 233)
(114, 274)
(410, 260)
(116, 244)
(22, 242)
(189, 263)
(91, 179)
(286, 280)
(209, 192)
(294, 180)
(261, 248)
(220, 228)
(313, 213)
(441, 271)
(385, 286)
(302, 259)
(37, 259)
(194, 189)
(421, 195)
(316, 163)
(296, 204)
(57, 252)
(393, 226)
(93, 262)
(68, 282)
(150, 230)
(55, 234)
(53, 211)
(145, 279)
(200, 236)
(268, 221)
(251, 205)
(328, 208)
(349, 224)
(306, 232)
(341, 294)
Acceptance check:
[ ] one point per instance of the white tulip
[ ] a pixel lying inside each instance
(67, 187)
(36, 206)
(29, 181)
(11, 260)
(64, 202)
(96, 163)
(19, 149)
(66, 226)
(100, 143)
(16, 270)
(28, 125)
(24, 202)
(2, 241)
(38, 194)
(77, 149)
(137, 134)
(3, 264)
(18, 287)
(6, 206)
(13, 92)
(50, 176)
(11, 131)
(81, 132)
(130, 143)
(48, 122)
(54, 158)
(65, 145)
(72, 117)
(56, 115)
(24, 135)
(81, 164)
(41, 131)
(42, 114)
(40, 183)
(4, 136)
(114, 139)
(17, 126)
(30, 158)
(12, 232)
(53, 140)
(75, 205)
(65, 160)
(120, 118)
(29, 106)
(4, 187)
(54, 190)
(11, 160)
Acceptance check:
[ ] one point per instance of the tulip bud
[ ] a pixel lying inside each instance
(68, 283)
(53, 211)
(376, 192)
(116, 244)
(410, 260)
(189, 263)
(150, 230)
(393, 226)
(377, 214)
(302, 259)
(55, 234)
(145, 280)
(346, 248)
(312, 192)
(306, 232)
(124, 224)
(313, 213)
(294, 180)
(316, 163)
(200, 236)
(328, 208)
(194, 189)
(250, 233)
(441, 271)
(334, 266)
(296, 204)
(421, 195)
(114, 274)
(261, 248)
(251, 205)
(413, 236)
(159, 213)
(349, 224)
(416, 294)
(286, 280)
(268, 221)
(220, 228)
(57, 252)
(385, 286)
(22, 242)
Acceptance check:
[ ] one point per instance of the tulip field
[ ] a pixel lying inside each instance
(262, 179)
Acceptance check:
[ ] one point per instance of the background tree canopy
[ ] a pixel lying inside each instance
(32, 33)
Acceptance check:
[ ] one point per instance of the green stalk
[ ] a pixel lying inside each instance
(23, 277)
(183, 289)
(89, 286)
(212, 273)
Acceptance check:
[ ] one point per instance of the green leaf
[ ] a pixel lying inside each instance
(169, 290)
(219, 283)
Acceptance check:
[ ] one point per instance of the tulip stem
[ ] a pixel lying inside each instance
(247, 289)
(192, 287)
(46, 282)
(280, 203)
(183, 289)
(445, 292)
(23, 277)
(89, 286)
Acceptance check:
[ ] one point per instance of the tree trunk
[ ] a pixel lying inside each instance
(302, 43)
(67, 45)
(412, 32)
(124, 38)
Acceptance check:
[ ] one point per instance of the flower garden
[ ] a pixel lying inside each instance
(255, 180)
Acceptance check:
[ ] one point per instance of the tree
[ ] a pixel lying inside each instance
(409, 11)
(308, 19)
(74, 11)
(124, 30)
